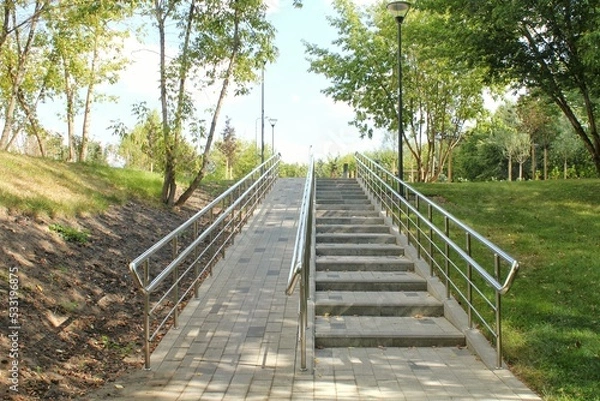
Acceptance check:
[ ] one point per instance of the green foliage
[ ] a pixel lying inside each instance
(551, 315)
(440, 96)
(248, 159)
(478, 159)
(70, 234)
(229, 147)
(295, 170)
(142, 147)
(542, 45)
(220, 44)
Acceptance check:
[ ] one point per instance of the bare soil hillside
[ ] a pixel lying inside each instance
(71, 316)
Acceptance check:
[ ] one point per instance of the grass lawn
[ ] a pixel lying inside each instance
(552, 313)
(35, 186)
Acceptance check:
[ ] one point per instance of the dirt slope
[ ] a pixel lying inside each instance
(78, 321)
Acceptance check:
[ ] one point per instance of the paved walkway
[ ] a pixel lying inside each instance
(238, 340)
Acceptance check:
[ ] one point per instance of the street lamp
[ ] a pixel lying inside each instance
(272, 121)
(399, 9)
(262, 116)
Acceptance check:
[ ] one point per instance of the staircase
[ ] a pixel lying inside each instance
(367, 292)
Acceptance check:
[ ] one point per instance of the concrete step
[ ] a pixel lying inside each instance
(377, 303)
(341, 193)
(350, 220)
(371, 212)
(369, 281)
(343, 228)
(360, 331)
(346, 201)
(337, 181)
(337, 206)
(359, 250)
(364, 263)
(355, 238)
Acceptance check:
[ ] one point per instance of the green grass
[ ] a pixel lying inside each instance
(36, 186)
(551, 316)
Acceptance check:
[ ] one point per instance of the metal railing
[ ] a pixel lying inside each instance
(300, 266)
(176, 265)
(477, 273)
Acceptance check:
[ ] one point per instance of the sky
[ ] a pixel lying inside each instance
(307, 120)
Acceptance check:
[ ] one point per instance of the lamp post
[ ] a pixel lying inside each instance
(399, 9)
(262, 116)
(272, 121)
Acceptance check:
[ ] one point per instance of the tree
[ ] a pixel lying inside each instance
(229, 146)
(566, 145)
(142, 147)
(82, 33)
(247, 160)
(227, 42)
(548, 45)
(537, 119)
(478, 158)
(506, 133)
(440, 97)
(18, 41)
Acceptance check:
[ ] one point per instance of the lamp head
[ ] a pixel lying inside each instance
(399, 9)
(272, 121)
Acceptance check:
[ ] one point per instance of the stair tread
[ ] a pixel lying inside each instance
(347, 213)
(354, 246)
(346, 234)
(373, 326)
(358, 259)
(371, 298)
(368, 276)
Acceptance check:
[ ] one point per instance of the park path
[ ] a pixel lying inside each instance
(237, 341)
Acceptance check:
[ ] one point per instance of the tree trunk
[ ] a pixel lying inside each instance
(450, 166)
(545, 162)
(87, 112)
(70, 114)
(169, 185)
(533, 162)
(16, 75)
(509, 168)
(5, 139)
(213, 126)
(34, 123)
(520, 171)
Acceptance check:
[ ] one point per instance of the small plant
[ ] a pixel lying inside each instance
(69, 306)
(70, 234)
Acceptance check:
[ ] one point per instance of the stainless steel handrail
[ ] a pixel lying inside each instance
(300, 266)
(404, 205)
(188, 253)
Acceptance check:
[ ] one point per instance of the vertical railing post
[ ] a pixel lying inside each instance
(196, 261)
(146, 316)
(220, 241)
(175, 286)
(211, 237)
(498, 314)
(469, 284)
(430, 217)
(447, 255)
(418, 228)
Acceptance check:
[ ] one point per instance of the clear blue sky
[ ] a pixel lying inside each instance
(293, 96)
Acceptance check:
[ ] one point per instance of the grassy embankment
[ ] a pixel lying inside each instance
(552, 313)
(36, 186)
